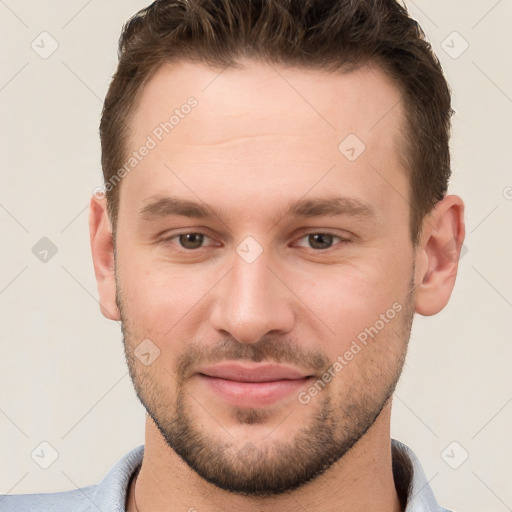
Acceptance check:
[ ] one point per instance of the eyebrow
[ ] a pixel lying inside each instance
(161, 207)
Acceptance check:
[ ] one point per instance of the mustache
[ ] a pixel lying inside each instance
(267, 349)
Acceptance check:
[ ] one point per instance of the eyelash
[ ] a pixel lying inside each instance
(342, 240)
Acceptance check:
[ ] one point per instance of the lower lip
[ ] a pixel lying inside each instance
(253, 394)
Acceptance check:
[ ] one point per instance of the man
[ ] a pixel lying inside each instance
(275, 213)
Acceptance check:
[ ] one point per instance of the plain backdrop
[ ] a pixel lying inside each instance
(63, 378)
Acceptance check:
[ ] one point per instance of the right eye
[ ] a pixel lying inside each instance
(188, 241)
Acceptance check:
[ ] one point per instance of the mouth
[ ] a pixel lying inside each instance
(252, 385)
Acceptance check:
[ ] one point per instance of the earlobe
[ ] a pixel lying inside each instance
(438, 254)
(102, 247)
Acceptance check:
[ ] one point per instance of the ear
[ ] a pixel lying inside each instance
(438, 253)
(102, 245)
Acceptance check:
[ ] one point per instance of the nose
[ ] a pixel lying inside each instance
(252, 302)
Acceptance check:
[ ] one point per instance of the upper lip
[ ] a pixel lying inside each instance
(259, 372)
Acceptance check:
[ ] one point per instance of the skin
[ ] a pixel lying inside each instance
(260, 137)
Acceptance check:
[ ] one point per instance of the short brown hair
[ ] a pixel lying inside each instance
(318, 34)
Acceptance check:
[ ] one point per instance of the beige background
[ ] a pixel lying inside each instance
(63, 378)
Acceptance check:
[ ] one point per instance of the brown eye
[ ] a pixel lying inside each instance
(320, 240)
(191, 240)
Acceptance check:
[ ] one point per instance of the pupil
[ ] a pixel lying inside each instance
(320, 240)
(191, 240)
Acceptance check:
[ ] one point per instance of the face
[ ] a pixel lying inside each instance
(265, 259)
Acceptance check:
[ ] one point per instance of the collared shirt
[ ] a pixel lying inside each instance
(111, 493)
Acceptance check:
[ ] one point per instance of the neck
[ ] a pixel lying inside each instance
(362, 480)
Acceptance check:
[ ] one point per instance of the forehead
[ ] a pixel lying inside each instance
(259, 126)
(254, 91)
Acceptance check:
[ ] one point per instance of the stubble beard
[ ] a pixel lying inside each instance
(274, 467)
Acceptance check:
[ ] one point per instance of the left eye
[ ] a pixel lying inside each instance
(321, 240)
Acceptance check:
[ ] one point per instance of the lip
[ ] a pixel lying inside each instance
(252, 385)
(257, 372)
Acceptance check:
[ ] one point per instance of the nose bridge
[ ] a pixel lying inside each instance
(252, 302)
(251, 282)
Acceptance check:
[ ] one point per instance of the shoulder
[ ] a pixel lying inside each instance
(69, 501)
(410, 479)
(109, 494)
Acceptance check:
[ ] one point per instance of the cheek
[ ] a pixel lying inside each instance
(352, 298)
(158, 297)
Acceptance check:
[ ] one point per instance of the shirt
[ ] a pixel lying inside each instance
(111, 493)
